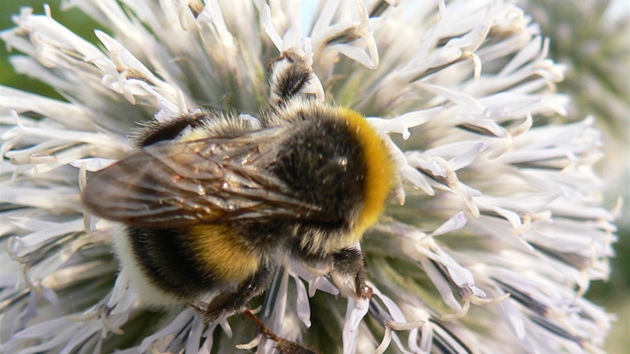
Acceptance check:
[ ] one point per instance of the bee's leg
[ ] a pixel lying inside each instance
(349, 262)
(232, 302)
(284, 346)
(292, 76)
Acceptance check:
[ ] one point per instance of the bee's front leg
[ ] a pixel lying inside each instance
(292, 76)
(349, 263)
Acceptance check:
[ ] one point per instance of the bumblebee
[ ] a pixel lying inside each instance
(210, 202)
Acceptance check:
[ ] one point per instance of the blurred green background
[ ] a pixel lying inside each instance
(73, 18)
(613, 294)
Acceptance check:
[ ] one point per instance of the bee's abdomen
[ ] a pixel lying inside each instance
(198, 259)
(168, 262)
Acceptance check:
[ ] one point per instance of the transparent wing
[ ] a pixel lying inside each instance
(215, 180)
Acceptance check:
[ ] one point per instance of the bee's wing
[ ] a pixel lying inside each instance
(215, 180)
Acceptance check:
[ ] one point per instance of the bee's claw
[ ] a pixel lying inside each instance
(364, 291)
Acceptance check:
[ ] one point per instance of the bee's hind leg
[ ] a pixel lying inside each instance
(234, 302)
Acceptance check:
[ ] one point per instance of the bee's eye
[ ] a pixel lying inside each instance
(342, 162)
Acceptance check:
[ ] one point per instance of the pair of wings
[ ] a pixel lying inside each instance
(180, 184)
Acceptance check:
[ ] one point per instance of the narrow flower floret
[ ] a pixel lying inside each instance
(494, 216)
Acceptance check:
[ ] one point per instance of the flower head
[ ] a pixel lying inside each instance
(493, 237)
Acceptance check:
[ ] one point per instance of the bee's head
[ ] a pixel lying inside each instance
(334, 159)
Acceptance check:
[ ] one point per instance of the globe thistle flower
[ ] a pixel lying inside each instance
(593, 40)
(495, 234)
